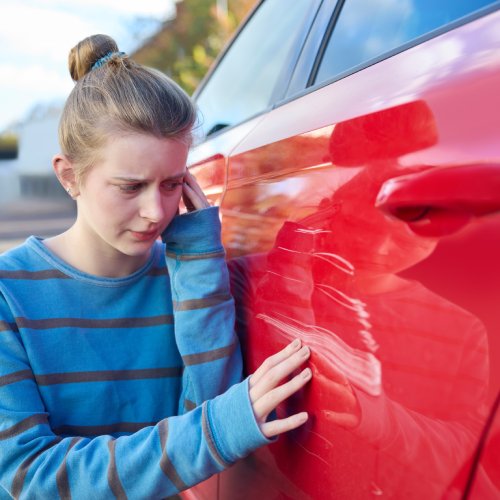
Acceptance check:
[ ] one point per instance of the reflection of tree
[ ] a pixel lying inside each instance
(253, 211)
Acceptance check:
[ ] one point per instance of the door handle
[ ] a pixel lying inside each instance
(439, 201)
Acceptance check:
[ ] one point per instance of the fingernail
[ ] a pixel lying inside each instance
(307, 373)
(305, 352)
(303, 417)
(295, 343)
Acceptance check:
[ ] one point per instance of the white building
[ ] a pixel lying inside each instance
(31, 173)
(9, 181)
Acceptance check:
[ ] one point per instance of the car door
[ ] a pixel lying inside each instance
(484, 483)
(247, 79)
(244, 84)
(361, 215)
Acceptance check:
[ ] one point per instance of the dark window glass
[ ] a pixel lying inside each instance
(369, 28)
(243, 83)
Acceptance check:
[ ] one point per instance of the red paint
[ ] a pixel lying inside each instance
(363, 218)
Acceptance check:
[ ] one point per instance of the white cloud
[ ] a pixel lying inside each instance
(33, 31)
(37, 35)
(23, 87)
(37, 78)
(157, 8)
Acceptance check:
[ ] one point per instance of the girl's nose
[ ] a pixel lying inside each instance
(152, 207)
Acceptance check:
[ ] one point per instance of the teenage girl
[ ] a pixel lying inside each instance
(120, 373)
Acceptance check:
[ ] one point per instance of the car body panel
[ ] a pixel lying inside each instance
(399, 306)
(485, 484)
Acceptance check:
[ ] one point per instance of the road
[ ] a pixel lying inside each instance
(41, 217)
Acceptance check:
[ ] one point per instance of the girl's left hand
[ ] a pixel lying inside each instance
(192, 194)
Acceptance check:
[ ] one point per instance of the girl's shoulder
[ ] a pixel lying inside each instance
(22, 257)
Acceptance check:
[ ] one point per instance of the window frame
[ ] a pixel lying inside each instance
(288, 68)
(309, 84)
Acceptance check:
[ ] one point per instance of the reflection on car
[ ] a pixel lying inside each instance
(352, 147)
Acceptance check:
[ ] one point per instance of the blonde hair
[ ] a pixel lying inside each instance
(117, 96)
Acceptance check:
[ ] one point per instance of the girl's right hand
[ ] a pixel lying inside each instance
(266, 393)
(192, 195)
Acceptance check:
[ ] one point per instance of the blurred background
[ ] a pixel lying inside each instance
(180, 37)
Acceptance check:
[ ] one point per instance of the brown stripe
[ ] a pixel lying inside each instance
(42, 324)
(4, 326)
(23, 425)
(99, 430)
(11, 378)
(197, 256)
(22, 471)
(189, 405)
(165, 464)
(113, 478)
(213, 300)
(158, 271)
(32, 275)
(163, 431)
(105, 375)
(207, 432)
(62, 479)
(205, 357)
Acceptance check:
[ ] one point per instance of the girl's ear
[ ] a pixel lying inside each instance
(65, 172)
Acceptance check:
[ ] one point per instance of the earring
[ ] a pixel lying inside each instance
(68, 190)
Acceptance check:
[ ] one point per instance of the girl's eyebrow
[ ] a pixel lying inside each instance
(136, 179)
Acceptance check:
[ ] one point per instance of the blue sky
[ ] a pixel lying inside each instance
(36, 36)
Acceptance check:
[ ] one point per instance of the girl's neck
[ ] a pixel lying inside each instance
(92, 255)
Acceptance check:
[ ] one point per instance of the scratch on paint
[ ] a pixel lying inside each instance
(362, 368)
(311, 453)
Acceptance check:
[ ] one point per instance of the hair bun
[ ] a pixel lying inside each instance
(87, 52)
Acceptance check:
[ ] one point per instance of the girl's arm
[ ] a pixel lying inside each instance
(154, 462)
(203, 306)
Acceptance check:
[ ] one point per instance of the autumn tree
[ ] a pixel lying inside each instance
(186, 46)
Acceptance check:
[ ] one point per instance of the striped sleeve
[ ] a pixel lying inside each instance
(155, 461)
(203, 306)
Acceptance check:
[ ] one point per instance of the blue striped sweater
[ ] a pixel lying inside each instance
(108, 385)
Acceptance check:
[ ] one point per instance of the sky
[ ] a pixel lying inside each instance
(37, 35)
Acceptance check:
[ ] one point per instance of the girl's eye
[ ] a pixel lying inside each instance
(171, 186)
(130, 188)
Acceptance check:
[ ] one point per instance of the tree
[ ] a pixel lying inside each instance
(185, 47)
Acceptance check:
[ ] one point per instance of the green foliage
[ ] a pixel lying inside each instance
(185, 48)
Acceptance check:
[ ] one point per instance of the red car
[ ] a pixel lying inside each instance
(353, 147)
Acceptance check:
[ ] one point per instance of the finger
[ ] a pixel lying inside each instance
(275, 427)
(193, 200)
(191, 181)
(270, 400)
(187, 200)
(279, 372)
(274, 360)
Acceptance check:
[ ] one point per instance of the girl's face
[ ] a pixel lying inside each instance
(129, 197)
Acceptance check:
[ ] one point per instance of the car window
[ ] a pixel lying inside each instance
(243, 83)
(366, 29)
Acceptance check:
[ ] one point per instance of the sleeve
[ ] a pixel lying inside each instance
(154, 462)
(204, 316)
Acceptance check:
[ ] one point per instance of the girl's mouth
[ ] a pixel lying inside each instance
(144, 235)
